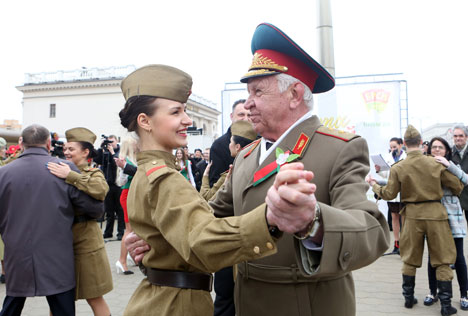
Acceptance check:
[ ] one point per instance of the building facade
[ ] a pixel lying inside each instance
(92, 98)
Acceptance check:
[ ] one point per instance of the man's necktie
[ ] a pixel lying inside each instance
(268, 145)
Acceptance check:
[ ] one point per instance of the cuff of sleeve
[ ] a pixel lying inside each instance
(72, 177)
(255, 235)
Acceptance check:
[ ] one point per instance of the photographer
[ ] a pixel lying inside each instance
(57, 146)
(105, 158)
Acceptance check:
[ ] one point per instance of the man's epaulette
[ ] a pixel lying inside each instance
(344, 136)
(252, 146)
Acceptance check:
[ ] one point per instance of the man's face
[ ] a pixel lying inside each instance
(459, 138)
(206, 155)
(240, 113)
(114, 142)
(268, 107)
(198, 154)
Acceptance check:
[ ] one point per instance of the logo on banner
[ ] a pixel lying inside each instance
(339, 122)
(376, 99)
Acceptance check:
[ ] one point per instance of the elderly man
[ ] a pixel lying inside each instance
(343, 231)
(460, 157)
(36, 215)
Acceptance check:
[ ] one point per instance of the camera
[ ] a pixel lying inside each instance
(105, 142)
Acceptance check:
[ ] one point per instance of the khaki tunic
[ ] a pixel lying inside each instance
(169, 214)
(419, 179)
(208, 193)
(92, 271)
(355, 231)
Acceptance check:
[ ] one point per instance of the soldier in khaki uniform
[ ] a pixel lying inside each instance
(92, 271)
(419, 180)
(187, 241)
(242, 134)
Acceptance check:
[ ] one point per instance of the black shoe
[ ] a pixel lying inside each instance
(408, 290)
(2, 278)
(396, 251)
(430, 299)
(445, 295)
(119, 237)
(107, 236)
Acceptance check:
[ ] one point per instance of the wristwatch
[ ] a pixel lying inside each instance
(313, 226)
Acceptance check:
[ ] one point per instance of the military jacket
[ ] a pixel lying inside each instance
(355, 231)
(419, 179)
(168, 213)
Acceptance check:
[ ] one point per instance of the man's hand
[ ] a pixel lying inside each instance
(136, 247)
(60, 170)
(370, 180)
(110, 149)
(291, 199)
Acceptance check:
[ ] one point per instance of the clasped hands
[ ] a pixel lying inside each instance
(290, 205)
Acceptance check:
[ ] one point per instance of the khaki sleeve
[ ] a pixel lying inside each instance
(92, 183)
(187, 223)
(451, 182)
(208, 193)
(356, 233)
(223, 204)
(391, 189)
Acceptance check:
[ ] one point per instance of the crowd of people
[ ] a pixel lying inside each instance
(265, 208)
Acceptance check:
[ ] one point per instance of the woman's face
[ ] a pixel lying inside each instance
(169, 124)
(438, 149)
(75, 153)
(394, 146)
(233, 148)
(179, 155)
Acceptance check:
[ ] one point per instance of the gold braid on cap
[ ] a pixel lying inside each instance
(263, 63)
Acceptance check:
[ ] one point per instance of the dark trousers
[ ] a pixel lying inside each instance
(224, 288)
(460, 268)
(113, 209)
(61, 304)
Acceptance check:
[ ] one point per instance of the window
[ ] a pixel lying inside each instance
(52, 110)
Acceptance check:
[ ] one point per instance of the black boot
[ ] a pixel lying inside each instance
(408, 290)
(445, 294)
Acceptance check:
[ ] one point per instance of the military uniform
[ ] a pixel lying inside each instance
(169, 214)
(92, 271)
(356, 232)
(208, 193)
(419, 180)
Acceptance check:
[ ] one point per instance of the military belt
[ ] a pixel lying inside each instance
(419, 202)
(82, 218)
(278, 274)
(180, 279)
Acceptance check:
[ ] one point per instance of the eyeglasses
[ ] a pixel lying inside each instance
(438, 147)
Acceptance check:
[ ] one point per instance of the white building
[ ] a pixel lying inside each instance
(92, 98)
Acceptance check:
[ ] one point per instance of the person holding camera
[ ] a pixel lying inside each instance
(105, 158)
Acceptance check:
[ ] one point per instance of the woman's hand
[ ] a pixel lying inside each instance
(442, 160)
(229, 173)
(60, 170)
(207, 169)
(370, 180)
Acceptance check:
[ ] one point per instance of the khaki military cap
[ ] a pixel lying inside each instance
(158, 81)
(411, 133)
(80, 134)
(243, 129)
(3, 142)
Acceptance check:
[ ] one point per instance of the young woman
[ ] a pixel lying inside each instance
(187, 242)
(440, 149)
(125, 172)
(185, 165)
(92, 271)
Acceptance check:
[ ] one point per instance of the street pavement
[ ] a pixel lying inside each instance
(378, 290)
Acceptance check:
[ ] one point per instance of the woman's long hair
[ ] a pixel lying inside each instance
(184, 156)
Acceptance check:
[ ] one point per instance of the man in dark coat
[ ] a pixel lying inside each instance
(106, 156)
(36, 216)
(460, 157)
(221, 158)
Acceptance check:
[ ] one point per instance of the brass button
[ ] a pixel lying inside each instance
(153, 162)
(269, 245)
(256, 250)
(346, 256)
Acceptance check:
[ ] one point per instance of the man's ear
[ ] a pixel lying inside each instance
(296, 92)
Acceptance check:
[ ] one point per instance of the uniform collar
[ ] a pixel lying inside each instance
(151, 155)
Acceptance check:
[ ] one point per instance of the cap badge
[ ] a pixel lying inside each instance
(262, 62)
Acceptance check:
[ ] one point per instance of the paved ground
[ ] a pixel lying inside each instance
(378, 290)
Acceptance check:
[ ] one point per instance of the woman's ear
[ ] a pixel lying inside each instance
(143, 122)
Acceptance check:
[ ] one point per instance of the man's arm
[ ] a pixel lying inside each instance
(84, 203)
(451, 182)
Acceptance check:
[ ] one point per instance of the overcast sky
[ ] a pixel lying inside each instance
(424, 39)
